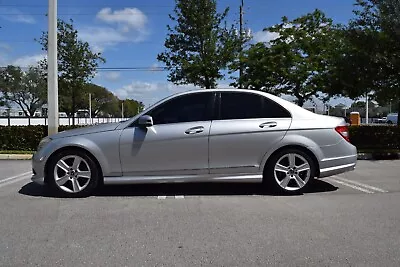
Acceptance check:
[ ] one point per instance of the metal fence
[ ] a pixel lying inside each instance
(23, 121)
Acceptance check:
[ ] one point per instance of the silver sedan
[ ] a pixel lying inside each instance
(214, 135)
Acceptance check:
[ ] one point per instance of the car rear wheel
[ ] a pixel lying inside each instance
(289, 172)
(73, 174)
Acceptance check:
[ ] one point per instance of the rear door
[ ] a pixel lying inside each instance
(247, 126)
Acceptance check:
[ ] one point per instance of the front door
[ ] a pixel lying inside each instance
(176, 144)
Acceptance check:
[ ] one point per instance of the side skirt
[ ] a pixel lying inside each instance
(240, 178)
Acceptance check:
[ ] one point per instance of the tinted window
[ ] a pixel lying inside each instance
(248, 106)
(193, 107)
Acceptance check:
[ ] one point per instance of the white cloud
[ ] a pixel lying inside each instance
(112, 76)
(126, 25)
(26, 61)
(128, 18)
(15, 15)
(265, 36)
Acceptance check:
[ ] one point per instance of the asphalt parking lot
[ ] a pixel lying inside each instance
(346, 220)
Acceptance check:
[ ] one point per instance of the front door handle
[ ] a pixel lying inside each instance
(269, 124)
(195, 130)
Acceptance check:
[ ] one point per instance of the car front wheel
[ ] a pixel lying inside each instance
(73, 174)
(289, 172)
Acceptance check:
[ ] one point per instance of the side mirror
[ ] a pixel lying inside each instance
(146, 121)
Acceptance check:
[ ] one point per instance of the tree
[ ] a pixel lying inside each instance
(200, 45)
(297, 62)
(77, 64)
(103, 101)
(375, 34)
(27, 89)
(131, 107)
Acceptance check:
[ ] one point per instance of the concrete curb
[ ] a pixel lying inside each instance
(15, 156)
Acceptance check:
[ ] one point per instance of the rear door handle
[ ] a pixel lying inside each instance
(269, 124)
(195, 130)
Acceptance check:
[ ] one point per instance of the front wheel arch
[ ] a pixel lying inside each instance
(74, 148)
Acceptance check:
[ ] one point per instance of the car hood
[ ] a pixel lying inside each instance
(86, 130)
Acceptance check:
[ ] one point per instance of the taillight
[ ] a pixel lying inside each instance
(344, 132)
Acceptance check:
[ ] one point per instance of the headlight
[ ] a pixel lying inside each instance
(43, 142)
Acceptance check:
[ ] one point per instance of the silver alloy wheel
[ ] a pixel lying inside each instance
(292, 172)
(72, 174)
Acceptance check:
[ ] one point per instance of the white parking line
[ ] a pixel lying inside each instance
(161, 197)
(14, 177)
(361, 184)
(332, 180)
(179, 197)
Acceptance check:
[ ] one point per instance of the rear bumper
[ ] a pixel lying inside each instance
(337, 170)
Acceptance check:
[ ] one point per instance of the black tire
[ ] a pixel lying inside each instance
(390, 122)
(94, 177)
(269, 180)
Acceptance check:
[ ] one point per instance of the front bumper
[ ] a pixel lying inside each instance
(38, 168)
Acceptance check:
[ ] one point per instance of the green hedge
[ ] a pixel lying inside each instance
(365, 138)
(25, 138)
(375, 138)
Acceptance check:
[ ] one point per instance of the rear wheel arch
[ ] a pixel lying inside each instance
(73, 148)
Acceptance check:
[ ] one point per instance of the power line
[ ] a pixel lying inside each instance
(151, 69)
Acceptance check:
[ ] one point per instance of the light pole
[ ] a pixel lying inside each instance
(390, 106)
(52, 70)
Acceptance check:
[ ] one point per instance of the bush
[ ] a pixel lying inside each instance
(25, 138)
(375, 138)
(365, 138)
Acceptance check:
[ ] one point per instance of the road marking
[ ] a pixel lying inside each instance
(14, 180)
(179, 197)
(350, 185)
(361, 184)
(161, 197)
(15, 177)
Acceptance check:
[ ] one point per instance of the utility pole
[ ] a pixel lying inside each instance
(90, 108)
(122, 109)
(241, 43)
(52, 70)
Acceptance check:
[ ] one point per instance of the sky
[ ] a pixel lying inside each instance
(130, 33)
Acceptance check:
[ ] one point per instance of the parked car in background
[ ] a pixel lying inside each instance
(392, 118)
(200, 136)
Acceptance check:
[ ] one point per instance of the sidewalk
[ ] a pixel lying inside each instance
(15, 156)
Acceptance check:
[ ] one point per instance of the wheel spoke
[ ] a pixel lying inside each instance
(299, 181)
(75, 185)
(292, 160)
(84, 174)
(284, 183)
(63, 166)
(281, 168)
(62, 180)
(77, 162)
(303, 167)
